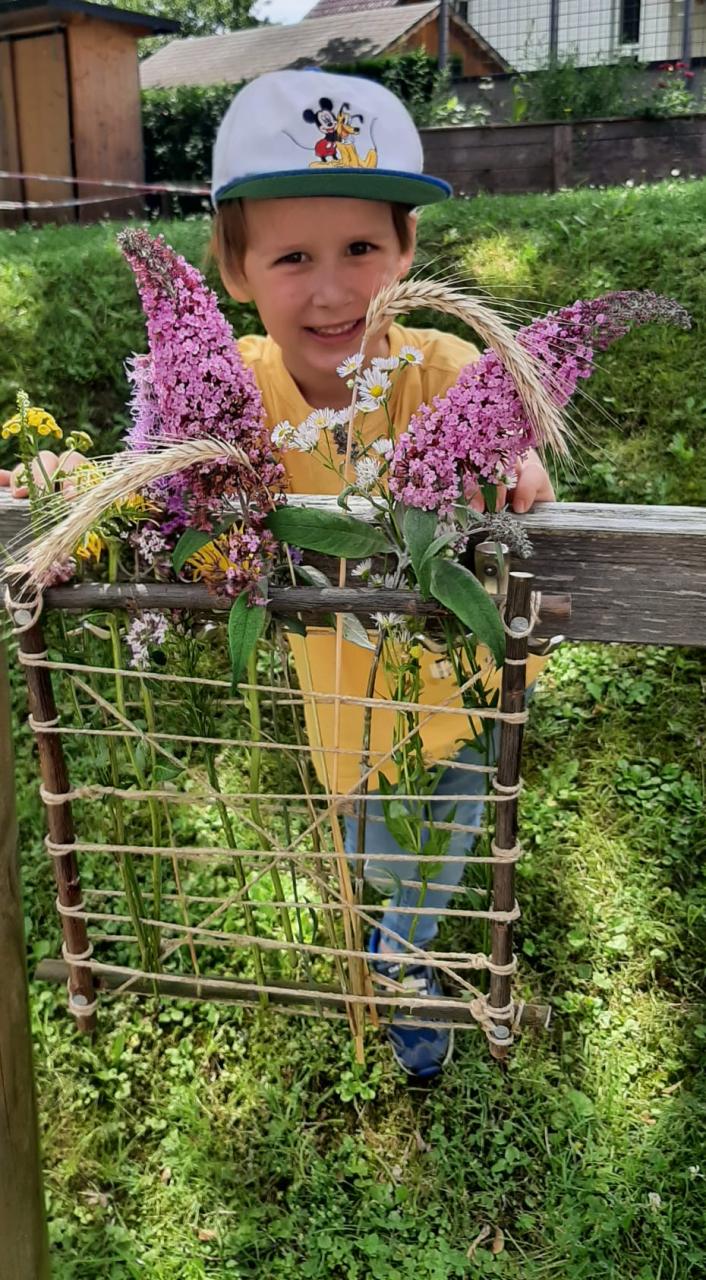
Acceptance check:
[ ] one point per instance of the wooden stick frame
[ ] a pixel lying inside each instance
(84, 974)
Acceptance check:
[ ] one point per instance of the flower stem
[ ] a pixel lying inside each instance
(253, 701)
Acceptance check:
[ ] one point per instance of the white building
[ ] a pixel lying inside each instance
(592, 31)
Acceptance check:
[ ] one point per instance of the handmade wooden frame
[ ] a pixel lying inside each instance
(496, 1014)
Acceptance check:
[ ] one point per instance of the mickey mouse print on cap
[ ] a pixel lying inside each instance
(313, 133)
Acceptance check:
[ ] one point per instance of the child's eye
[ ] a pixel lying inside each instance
(291, 258)
(360, 247)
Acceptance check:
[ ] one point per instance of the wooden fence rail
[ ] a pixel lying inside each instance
(634, 574)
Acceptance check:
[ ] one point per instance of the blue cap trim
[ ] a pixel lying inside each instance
(364, 184)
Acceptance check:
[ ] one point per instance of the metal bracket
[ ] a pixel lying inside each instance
(492, 566)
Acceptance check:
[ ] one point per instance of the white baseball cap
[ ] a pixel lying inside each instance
(313, 133)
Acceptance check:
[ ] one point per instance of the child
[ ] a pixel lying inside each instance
(315, 179)
(309, 232)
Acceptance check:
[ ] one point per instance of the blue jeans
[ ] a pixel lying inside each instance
(403, 866)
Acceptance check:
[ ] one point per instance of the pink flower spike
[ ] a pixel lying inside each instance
(193, 383)
(478, 431)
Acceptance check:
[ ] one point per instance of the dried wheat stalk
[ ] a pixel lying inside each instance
(126, 473)
(403, 296)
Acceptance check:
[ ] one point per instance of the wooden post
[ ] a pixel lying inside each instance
(563, 155)
(517, 620)
(55, 779)
(23, 1231)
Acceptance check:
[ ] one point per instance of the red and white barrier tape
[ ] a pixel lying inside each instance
(126, 186)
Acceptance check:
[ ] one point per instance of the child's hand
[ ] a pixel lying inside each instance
(65, 463)
(533, 485)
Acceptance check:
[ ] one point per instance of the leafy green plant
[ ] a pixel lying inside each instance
(179, 126)
(674, 94)
(563, 90)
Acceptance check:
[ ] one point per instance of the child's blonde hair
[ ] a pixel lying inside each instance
(229, 240)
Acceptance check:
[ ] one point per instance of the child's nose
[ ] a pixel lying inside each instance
(330, 290)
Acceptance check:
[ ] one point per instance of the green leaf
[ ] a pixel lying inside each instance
(439, 544)
(191, 541)
(246, 623)
(461, 592)
(490, 494)
(419, 529)
(315, 577)
(328, 532)
(354, 631)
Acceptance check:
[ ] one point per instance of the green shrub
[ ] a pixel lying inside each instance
(564, 91)
(179, 126)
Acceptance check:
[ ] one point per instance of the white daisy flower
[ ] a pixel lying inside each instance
(362, 569)
(367, 471)
(411, 355)
(386, 621)
(306, 436)
(282, 435)
(386, 580)
(385, 362)
(383, 446)
(350, 366)
(326, 419)
(374, 384)
(367, 404)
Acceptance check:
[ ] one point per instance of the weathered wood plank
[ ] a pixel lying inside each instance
(563, 149)
(22, 1222)
(635, 574)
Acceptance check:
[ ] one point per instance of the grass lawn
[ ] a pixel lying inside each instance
(191, 1141)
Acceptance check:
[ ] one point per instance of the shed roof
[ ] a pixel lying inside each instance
(17, 14)
(242, 55)
(328, 8)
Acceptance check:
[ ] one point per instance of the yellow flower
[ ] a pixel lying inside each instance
(91, 546)
(208, 560)
(37, 420)
(133, 504)
(80, 441)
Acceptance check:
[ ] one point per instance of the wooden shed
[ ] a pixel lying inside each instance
(70, 106)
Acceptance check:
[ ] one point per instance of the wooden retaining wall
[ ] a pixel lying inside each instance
(515, 158)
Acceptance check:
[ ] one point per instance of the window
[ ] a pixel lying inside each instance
(630, 22)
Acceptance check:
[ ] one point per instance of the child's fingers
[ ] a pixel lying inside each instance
(45, 467)
(68, 462)
(533, 485)
(477, 502)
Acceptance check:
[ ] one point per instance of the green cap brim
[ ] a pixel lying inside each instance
(360, 184)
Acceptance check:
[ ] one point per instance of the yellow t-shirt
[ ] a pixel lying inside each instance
(338, 761)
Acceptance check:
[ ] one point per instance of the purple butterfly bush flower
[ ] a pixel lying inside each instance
(192, 384)
(478, 431)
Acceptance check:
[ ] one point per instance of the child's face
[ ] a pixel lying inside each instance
(311, 267)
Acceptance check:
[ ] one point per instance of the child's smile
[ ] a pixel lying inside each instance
(335, 334)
